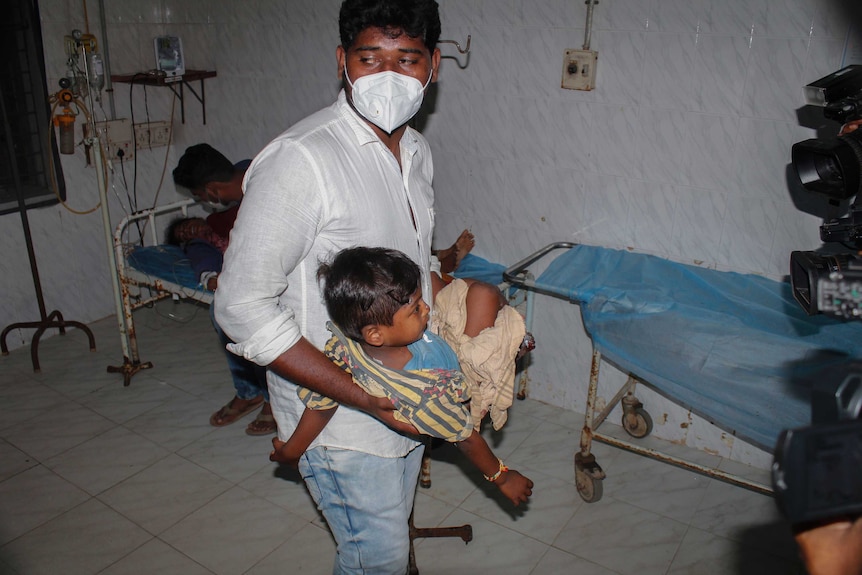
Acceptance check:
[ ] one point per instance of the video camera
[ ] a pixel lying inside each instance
(816, 470)
(832, 167)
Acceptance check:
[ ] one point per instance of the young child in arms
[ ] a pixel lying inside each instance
(373, 296)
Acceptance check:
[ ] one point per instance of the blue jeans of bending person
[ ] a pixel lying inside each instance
(249, 379)
(366, 501)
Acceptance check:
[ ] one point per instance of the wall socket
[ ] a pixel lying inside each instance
(116, 136)
(152, 135)
(579, 69)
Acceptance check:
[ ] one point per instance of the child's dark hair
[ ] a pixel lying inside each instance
(366, 286)
(171, 231)
(416, 18)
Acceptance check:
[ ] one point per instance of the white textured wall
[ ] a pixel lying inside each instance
(681, 151)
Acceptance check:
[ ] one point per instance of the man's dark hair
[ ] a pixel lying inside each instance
(366, 286)
(200, 165)
(416, 18)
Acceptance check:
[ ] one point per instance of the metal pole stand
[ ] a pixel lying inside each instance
(48, 320)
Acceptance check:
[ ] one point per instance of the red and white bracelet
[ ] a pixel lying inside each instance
(500, 471)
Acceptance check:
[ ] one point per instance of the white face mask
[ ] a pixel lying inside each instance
(215, 206)
(387, 99)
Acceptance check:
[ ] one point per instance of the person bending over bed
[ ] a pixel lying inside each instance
(211, 178)
(374, 296)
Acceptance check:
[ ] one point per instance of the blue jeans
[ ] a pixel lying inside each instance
(249, 379)
(366, 501)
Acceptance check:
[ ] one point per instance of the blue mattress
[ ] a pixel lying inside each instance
(166, 262)
(170, 263)
(479, 268)
(734, 348)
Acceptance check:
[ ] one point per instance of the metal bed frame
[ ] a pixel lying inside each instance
(636, 421)
(130, 279)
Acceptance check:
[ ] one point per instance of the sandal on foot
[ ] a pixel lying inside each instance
(263, 424)
(228, 414)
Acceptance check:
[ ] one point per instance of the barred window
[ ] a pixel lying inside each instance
(29, 163)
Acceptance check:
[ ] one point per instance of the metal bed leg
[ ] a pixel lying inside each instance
(128, 369)
(132, 363)
(528, 321)
(638, 424)
(465, 532)
(588, 473)
(425, 470)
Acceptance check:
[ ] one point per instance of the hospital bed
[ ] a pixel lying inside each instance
(150, 270)
(734, 348)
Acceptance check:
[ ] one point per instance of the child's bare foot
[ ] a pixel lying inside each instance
(450, 258)
(463, 245)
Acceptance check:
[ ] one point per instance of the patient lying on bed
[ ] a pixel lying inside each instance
(204, 247)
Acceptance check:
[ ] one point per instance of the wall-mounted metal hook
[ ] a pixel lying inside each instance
(465, 50)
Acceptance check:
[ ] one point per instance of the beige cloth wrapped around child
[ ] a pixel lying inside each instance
(487, 360)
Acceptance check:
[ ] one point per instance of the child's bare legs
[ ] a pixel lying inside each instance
(484, 302)
(310, 425)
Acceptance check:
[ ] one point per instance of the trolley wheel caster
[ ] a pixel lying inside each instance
(637, 423)
(589, 488)
(588, 478)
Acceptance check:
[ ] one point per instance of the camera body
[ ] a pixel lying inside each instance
(827, 283)
(816, 470)
(840, 94)
(832, 167)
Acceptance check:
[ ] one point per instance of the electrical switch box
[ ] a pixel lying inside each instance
(116, 137)
(152, 135)
(579, 69)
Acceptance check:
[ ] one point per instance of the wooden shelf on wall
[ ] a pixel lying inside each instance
(153, 78)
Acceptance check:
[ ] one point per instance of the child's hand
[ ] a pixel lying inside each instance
(515, 486)
(281, 455)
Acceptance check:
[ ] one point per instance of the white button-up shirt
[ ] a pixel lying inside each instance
(326, 184)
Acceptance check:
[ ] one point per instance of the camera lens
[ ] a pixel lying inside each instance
(822, 169)
(830, 166)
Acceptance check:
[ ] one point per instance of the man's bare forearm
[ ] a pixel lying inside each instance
(305, 365)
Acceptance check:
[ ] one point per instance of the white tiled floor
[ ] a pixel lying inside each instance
(100, 478)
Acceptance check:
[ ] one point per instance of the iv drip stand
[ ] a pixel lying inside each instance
(130, 366)
(47, 320)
